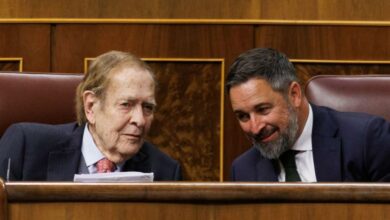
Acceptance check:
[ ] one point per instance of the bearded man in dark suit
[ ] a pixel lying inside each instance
(294, 140)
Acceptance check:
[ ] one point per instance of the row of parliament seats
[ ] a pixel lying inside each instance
(49, 97)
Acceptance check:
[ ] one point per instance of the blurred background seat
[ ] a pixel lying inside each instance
(352, 93)
(37, 97)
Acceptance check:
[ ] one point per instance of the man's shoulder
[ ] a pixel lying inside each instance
(249, 157)
(36, 131)
(40, 128)
(325, 115)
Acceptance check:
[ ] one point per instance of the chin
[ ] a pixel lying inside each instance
(131, 150)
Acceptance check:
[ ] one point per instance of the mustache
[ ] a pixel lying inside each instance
(263, 133)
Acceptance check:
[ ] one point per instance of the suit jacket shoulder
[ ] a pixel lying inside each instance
(30, 146)
(353, 146)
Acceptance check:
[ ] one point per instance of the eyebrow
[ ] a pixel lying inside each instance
(151, 102)
(260, 105)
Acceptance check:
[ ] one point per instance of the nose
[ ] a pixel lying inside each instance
(137, 116)
(256, 124)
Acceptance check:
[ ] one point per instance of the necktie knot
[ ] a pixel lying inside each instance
(105, 166)
(290, 167)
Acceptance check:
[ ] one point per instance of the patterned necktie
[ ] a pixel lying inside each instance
(105, 166)
(288, 161)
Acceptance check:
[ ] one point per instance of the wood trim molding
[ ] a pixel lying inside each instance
(19, 59)
(3, 201)
(380, 62)
(192, 21)
(199, 192)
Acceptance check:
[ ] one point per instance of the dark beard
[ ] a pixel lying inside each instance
(274, 149)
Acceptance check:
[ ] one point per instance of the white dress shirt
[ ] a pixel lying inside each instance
(91, 153)
(304, 158)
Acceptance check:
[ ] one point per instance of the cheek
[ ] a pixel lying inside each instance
(245, 126)
(148, 122)
(282, 120)
(118, 122)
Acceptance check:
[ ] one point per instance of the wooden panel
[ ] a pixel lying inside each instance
(325, 10)
(327, 42)
(197, 201)
(152, 41)
(3, 201)
(95, 210)
(11, 64)
(187, 120)
(28, 41)
(216, 9)
(81, 41)
(307, 70)
(182, 192)
(144, 211)
(301, 211)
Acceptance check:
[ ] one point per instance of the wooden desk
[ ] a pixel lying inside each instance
(43, 200)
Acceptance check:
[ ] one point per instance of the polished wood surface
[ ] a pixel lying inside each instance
(6, 65)
(191, 191)
(148, 41)
(3, 201)
(216, 9)
(186, 124)
(168, 211)
(306, 71)
(326, 42)
(28, 41)
(33, 200)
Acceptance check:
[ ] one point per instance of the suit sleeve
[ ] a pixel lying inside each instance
(377, 151)
(12, 147)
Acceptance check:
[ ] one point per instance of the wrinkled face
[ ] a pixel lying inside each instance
(265, 116)
(119, 123)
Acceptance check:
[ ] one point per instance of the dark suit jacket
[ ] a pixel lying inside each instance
(346, 147)
(41, 152)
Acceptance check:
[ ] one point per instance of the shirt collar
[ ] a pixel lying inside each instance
(303, 142)
(89, 149)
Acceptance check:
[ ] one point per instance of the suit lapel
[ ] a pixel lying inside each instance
(267, 170)
(65, 160)
(326, 147)
(139, 162)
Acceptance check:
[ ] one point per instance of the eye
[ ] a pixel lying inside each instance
(148, 108)
(125, 104)
(243, 117)
(264, 110)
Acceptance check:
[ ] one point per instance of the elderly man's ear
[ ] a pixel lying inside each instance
(91, 102)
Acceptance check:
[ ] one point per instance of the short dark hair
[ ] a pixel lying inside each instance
(263, 63)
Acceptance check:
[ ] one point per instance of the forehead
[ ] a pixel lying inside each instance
(252, 92)
(132, 82)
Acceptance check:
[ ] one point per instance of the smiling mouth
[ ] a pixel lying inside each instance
(265, 134)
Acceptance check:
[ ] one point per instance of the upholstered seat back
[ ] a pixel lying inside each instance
(36, 97)
(355, 93)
